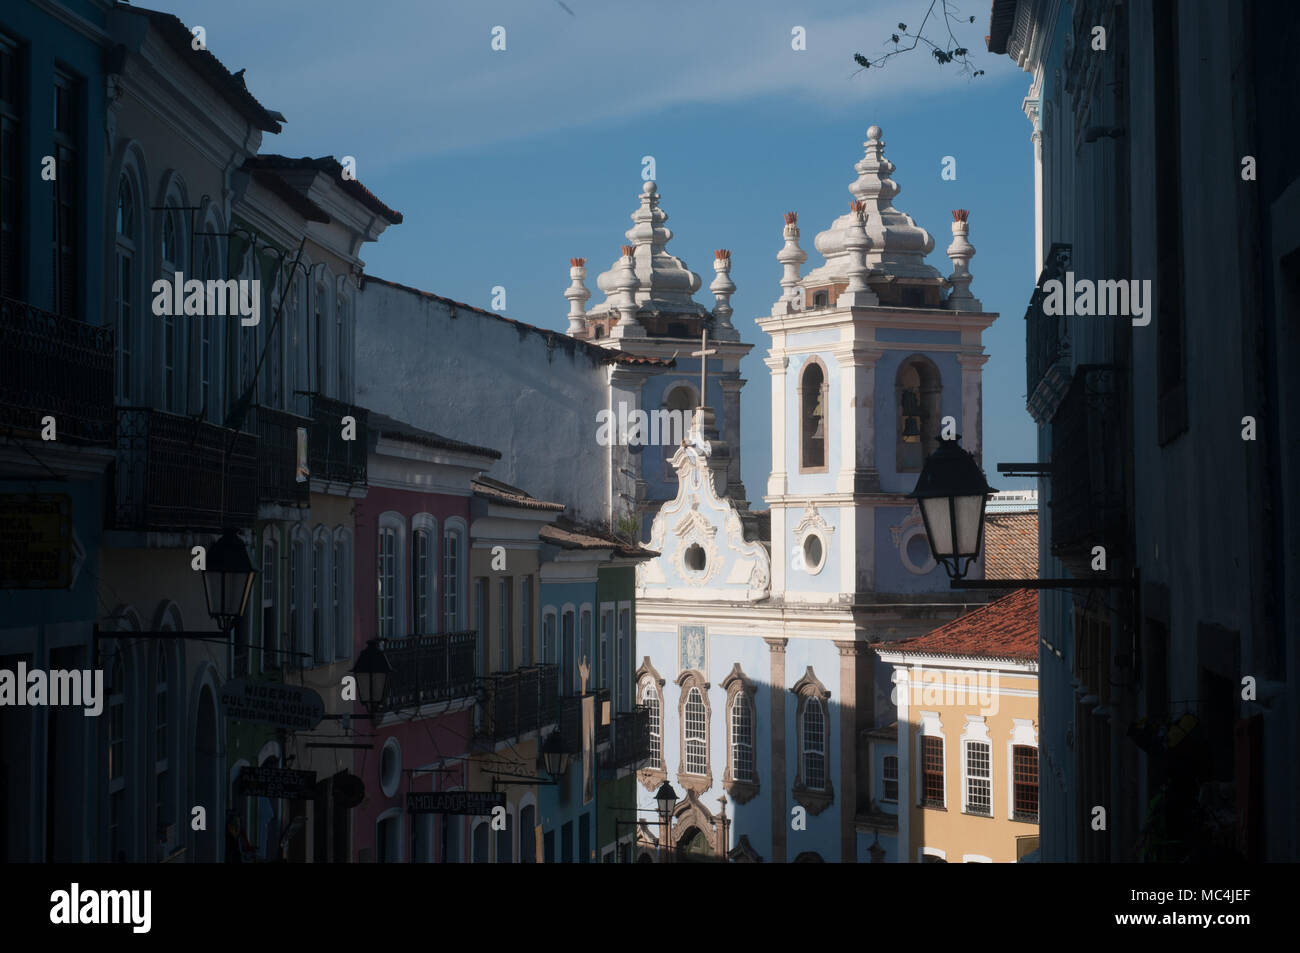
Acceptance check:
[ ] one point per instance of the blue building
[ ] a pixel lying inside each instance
(56, 387)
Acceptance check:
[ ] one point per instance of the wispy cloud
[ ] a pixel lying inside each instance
(407, 79)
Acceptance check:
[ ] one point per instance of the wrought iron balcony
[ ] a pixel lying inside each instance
(631, 740)
(180, 474)
(277, 456)
(1087, 468)
(430, 668)
(332, 458)
(1047, 343)
(570, 720)
(513, 703)
(56, 366)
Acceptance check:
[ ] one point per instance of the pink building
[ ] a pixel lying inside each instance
(411, 588)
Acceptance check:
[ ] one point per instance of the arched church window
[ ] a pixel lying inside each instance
(694, 717)
(740, 778)
(650, 696)
(917, 391)
(679, 402)
(812, 417)
(812, 783)
(820, 299)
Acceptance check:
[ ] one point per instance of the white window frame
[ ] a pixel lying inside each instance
(131, 249)
(924, 852)
(482, 603)
(455, 585)
(884, 798)
(1023, 733)
(341, 563)
(741, 698)
(930, 727)
(270, 580)
(585, 647)
(300, 579)
(322, 608)
(426, 523)
(550, 623)
(691, 691)
(975, 732)
(608, 615)
(526, 621)
(505, 654)
(648, 691)
(975, 859)
(623, 654)
(395, 522)
(805, 750)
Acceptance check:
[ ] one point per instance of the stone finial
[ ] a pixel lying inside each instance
(856, 244)
(624, 296)
(791, 257)
(961, 251)
(577, 294)
(722, 287)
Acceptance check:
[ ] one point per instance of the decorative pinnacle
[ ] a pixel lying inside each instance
(577, 294)
(722, 287)
(629, 250)
(960, 214)
(791, 257)
(961, 251)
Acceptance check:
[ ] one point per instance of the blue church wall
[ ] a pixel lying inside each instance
(917, 336)
(886, 422)
(891, 574)
(813, 482)
(828, 579)
(823, 830)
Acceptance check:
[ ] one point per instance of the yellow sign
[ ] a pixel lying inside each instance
(35, 541)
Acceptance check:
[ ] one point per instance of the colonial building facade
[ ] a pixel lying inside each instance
(755, 660)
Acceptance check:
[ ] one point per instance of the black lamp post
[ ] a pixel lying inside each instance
(952, 492)
(227, 580)
(666, 801)
(554, 756)
(372, 670)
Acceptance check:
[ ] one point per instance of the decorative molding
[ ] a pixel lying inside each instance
(744, 853)
(815, 800)
(697, 783)
(649, 777)
(734, 685)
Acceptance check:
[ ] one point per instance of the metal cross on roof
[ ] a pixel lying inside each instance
(703, 354)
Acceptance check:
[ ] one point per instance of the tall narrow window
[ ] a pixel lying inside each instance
(270, 602)
(742, 737)
(117, 759)
(171, 334)
(695, 733)
(814, 745)
(650, 699)
(1025, 766)
(932, 793)
(503, 624)
(584, 650)
(319, 610)
(320, 341)
(979, 795)
(124, 286)
(387, 617)
(341, 346)
(889, 777)
(63, 191)
(338, 595)
(526, 621)
(1171, 333)
(624, 659)
(162, 803)
(205, 336)
(679, 403)
(568, 667)
(11, 173)
(548, 638)
(812, 417)
(606, 624)
(451, 582)
(481, 624)
(421, 581)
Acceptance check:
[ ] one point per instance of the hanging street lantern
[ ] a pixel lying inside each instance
(227, 580)
(952, 491)
(372, 670)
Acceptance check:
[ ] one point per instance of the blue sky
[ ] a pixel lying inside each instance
(505, 164)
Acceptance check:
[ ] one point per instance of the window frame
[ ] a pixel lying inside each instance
(931, 727)
(808, 689)
(802, 414)
(740, 689)
(692, 683)
(647, 679)
(394, 523)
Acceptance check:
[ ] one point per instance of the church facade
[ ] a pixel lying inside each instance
(755, 653)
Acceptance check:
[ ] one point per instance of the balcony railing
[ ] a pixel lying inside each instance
(176, 473)
(331, 457)
(1087, 468)
(1046, 340)
(631, 740)
(277, 456)
(55, 366)
(513, 703)
(570, 720)
(430, 668)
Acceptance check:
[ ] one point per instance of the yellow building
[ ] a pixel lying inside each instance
(966, 760)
